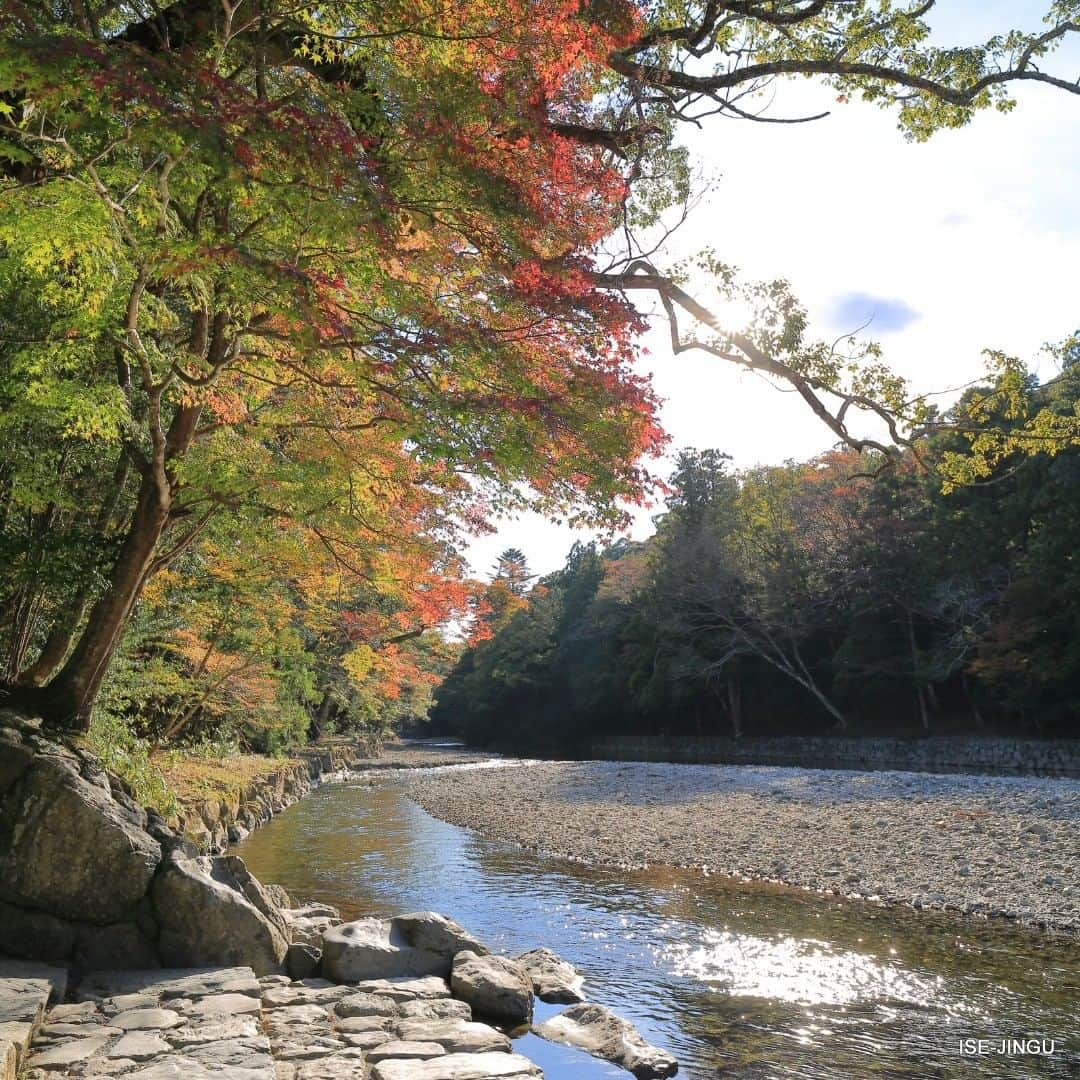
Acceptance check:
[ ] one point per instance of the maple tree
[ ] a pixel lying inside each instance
(341, 268)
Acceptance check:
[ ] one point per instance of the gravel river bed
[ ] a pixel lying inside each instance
(983, 845)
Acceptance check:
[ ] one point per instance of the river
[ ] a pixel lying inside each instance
(736, 979)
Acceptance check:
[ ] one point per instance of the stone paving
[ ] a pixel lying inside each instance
(225, 1024)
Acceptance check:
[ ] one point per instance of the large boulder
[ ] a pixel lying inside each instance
(553, 979)
(422, 943)
(600, 1032)
(69, 845)
(207, 916)
(494, 987)
(375, 949)
(436, 933)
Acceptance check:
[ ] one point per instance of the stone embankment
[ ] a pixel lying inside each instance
(214, 821)
(234, 982)
(429, 1016)
(981, 845)
(998, 755)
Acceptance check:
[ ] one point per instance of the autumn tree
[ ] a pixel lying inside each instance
(317, 260)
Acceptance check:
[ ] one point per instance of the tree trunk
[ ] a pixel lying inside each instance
(735, 707)
(69, 619)
(58, 642)
(920, 694)
(69, 699)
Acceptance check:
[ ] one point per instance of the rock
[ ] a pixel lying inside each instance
(67, 847)
(207, 917)
(307, 924)
(104, 946)
(553, 979)
(345, 1064)
(457, 1036)
(458, 1067)
(366, 1005)
(429, 988)
(69, 1053)
(359, 1025)
(252, 1052)
(72, 1013)
(170, 983)
(218, 1007)
(278, 894)
(441, 1009)
(280, 996)
(297, 1015)
(436, 933)
(139, 1045)
(231, 1028)
(366, 1040)
(376, 949)
(146, 1019)
(177, 1067)
(398, 1048)
(302, 961)
(125, 1002)
(35, 934)
(493, 986)
(601, 1033)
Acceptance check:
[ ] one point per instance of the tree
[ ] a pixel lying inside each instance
(242, 239)
(282, 285)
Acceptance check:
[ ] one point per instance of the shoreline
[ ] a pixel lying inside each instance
(994, 847)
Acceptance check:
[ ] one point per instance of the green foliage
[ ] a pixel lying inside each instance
(805, 598)
(126, 754)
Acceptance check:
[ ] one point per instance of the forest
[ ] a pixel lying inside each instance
(800, 599)
(296, 298)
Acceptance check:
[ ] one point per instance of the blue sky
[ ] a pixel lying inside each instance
(967, 242)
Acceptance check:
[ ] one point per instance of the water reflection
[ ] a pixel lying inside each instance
(737, 980)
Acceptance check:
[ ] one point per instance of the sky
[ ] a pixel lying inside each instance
(946, 248)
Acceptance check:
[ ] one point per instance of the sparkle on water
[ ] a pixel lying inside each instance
(749, 981)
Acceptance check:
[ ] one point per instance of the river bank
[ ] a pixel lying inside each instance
(1005, 847)
(222, 800)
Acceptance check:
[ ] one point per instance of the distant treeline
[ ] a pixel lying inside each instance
(800, 599)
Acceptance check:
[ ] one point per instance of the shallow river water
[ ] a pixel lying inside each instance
(737, 980)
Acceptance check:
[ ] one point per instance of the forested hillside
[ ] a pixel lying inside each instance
(295, 298)
(803, 598)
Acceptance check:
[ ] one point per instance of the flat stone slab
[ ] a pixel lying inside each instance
(56, 977)
(347, 1064)
(400, 1048)
(492, 1066)
(437, 1009)
(431, 986)
(366, 1005)
(61, 1055)
(230, 1027)
(146, 1019)
(457, 1036)
(176, 1067)
(219, 1006)
(171, 982)
(354, 1025)
(139, 1045)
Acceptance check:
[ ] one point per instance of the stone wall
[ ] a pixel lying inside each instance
(90, 878)
(947, 753)
(213, 823)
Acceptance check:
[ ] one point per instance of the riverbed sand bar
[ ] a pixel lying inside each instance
(983, 845)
